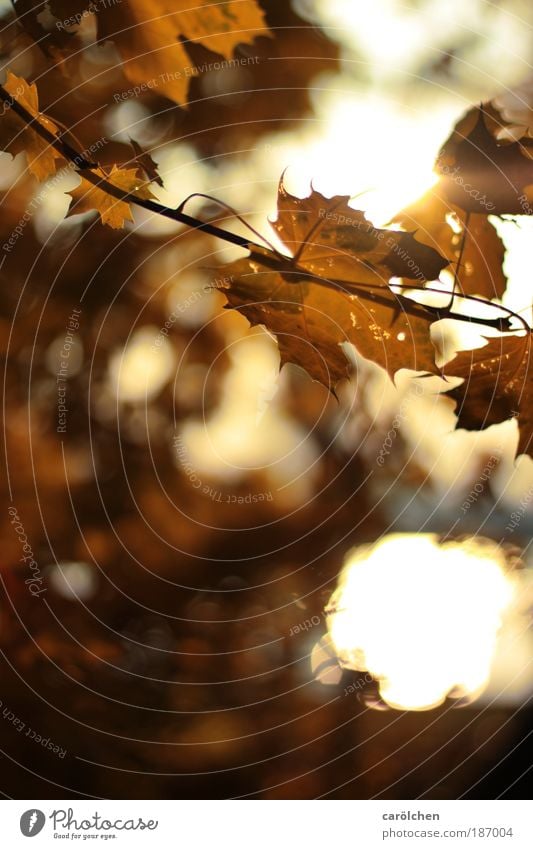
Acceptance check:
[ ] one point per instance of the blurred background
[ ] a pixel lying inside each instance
(185, 519)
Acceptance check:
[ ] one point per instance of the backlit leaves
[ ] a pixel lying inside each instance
(16, 136)
(330, 238)
(338, 278)
(465, 238)
(483, 173)
(151, 36)
(113, 212)
(334, 289)
(497, 385)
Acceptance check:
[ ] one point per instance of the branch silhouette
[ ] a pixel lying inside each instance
(269, 256)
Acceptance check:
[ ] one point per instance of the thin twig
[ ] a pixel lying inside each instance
(77, 158)
(456, 281)
(270, 259)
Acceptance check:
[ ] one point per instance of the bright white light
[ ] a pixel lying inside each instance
(354, 152)
(383, 31)
(140, 370)
(394, 37)
(421, 617)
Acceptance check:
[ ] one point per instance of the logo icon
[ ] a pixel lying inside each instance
(32, 822)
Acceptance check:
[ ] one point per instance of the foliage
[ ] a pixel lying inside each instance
(340, 280)
(334, 289)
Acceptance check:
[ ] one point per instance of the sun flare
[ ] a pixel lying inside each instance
(422, 617)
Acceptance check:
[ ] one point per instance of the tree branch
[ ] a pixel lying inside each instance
(269, 257)
(83, 164)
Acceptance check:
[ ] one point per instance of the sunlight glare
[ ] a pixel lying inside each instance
(139, 371)
(421, 617)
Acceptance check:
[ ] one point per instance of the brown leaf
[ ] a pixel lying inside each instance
(113, 212)
(498, 385)
(448, 229)
(17, 137)
(329, 238)
(148, 36)
(335, 289)
(482, 174)
(145, 161)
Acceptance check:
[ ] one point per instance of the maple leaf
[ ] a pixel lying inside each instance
(16, 136)
(479, 172)
(326, 233)
(469, 239)
(334, 289)
(497, 385)
(149, 36)
(145, 161)
(88, 197)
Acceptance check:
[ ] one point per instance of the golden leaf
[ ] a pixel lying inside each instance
(16, 136)
(113, 212)
(497, 385)
(149, 33)
(470, 238)
(334, 289)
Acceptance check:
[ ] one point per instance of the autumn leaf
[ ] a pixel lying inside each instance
(497, 385)
(145, 161)
(482, 173)
(113, 212)
(16, 136)
(469, 239)
(334, 289)
(326, 233)
(149, 36)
